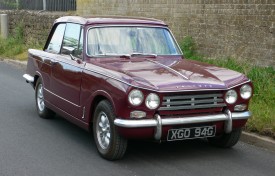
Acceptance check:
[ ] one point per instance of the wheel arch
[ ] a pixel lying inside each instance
(36, 77)
(99, 96)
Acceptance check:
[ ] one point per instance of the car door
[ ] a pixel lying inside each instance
(67, 72)
(51, 51)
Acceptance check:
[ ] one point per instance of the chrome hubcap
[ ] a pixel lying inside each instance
(40, 98)
(103, 130)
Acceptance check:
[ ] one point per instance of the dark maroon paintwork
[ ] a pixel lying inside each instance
(71, 85)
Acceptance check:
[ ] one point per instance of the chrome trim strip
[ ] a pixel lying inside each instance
(61, 98)
(181, 120)
(239, 84)
(192, 96)
(75, 118)
(83, 113)
(228, 122)
(169, 68)
(175, 41)
(29, 78)
(170, 108)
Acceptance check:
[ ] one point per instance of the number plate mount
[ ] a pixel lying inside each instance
(191, 133)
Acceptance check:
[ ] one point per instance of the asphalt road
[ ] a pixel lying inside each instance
(30, 146)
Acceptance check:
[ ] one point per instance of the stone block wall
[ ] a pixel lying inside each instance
(36, 25)
(243, 29)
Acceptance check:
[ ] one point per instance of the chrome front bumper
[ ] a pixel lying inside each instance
(158, 122)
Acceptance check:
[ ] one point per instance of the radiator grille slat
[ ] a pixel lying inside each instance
(189, 102)
(194, 101)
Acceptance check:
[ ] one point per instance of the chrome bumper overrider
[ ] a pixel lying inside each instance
(29, 78)
(158, 122)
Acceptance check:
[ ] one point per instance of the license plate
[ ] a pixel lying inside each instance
(191, 133)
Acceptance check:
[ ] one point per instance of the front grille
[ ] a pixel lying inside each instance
(189, 102)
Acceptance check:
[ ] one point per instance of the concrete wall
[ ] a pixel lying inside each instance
(243, 29)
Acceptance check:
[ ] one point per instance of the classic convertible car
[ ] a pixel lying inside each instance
(126, 78)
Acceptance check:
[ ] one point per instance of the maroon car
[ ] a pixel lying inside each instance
(126, 78)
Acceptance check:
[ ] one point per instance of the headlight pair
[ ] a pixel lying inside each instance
(231, 96)
(136, 97)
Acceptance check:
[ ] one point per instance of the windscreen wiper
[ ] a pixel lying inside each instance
(128, 56)
(113, 55)
(143, 54)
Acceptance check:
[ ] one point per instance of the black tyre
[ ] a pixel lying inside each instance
(42, 110)
(226, 140)
(109, 143)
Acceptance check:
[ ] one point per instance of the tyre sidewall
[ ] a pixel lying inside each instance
(105, 107)
(45, 113)
(226, 140)
(40, 113)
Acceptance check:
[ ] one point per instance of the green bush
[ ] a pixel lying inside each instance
(188, 47)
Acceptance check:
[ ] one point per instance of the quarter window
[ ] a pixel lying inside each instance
(56, 40)
(71, 44)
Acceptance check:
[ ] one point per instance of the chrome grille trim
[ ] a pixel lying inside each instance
(193, 101)
(191, 96)
(189, 102)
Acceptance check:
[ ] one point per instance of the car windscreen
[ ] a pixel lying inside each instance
(121, 40)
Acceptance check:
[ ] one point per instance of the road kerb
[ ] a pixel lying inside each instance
(21, 64)
(259, 141)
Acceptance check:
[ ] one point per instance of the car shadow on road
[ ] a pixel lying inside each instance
(144, 150)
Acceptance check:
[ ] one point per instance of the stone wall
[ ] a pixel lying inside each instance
(243, 29)
(36, 25)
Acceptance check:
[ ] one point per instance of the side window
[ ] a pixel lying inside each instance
(56, 40)
(71, 44)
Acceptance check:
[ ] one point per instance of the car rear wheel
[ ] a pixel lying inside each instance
(226, 140)
(110, 144)
(42, 110)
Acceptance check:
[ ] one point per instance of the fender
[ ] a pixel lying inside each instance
(90, 105)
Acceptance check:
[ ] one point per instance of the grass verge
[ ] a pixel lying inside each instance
(262, 103)
(14, 46)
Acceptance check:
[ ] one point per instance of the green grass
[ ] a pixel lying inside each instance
(14, 46)
(262, 103)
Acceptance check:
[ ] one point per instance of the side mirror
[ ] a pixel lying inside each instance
(71, 52)
(68, 50)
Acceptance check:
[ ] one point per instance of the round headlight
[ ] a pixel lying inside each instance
(246, 91)
(231, 96)
(135, 97)
(152, 101)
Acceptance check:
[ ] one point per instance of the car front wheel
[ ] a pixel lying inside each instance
(226, 140)
(42, 110)
(110, 144)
